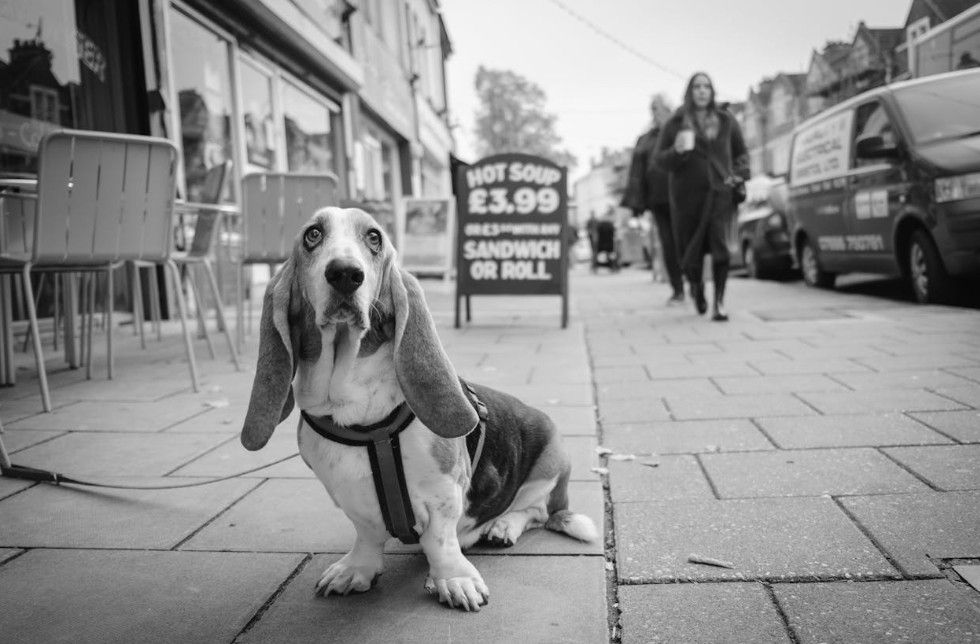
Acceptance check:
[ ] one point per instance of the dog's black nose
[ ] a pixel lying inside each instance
(344, 276)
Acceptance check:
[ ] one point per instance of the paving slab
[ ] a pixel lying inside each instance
(778, 384)
(581, 451)
(21, 439)
(963, 425)
(699, 614)
(778, 538)
(916, 379)
(551, 394)
(72, 517)
(572, 421)
(913, 527)
(858, 430)
(748, 406)
(132, 386)
(931, 360)
(685, 437)
(881, 611)
(948, 467)
(878, 401)
(639, 409)
(107, 416)
(807, 473)
(655, 478)
(613, 375)
(280, 515)
(9, 487)
(806, 366)
(102, 454)
(7, 553)
(970, 574)
(123, 596)
(609, 395)
(12, 409)
(532, 599)
(230, 458)
(967, 394)
(561, 371)
(658, 370)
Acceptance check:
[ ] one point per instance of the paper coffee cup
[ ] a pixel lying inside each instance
(686, 139)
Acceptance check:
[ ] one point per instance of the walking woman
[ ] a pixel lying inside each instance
(702, 148)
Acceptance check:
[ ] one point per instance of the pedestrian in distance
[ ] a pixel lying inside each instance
(702, 149)
(646, 189)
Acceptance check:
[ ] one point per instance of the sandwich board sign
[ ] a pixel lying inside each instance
(512, 217)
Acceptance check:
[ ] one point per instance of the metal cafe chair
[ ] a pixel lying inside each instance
(102, 199)
(274, 206)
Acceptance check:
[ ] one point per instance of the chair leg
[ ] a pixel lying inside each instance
(201, 312)
(182, 308)
(7, 328)
(88, 324)
(56, 282)
(42, 376)
(37, 301)
(138, 304)
(239, 308)
(155, 303)
(221, 313)
(108, 327)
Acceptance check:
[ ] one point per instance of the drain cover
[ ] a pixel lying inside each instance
(794, 315)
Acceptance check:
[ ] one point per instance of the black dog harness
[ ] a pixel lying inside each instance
(384, 452)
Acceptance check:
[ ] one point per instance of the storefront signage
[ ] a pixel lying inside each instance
(513, 213)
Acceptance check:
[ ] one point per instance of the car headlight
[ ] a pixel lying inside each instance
(775, 220)
(964, 186)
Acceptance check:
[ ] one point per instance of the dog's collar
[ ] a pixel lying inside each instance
(384, 452)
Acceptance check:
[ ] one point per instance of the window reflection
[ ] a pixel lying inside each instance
(202, 77)
(259, 126)
(308, 126)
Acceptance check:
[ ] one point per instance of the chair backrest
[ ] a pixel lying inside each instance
(275, 205)
(104, 197)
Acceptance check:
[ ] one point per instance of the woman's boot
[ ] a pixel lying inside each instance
(720, 277)
(697, 294)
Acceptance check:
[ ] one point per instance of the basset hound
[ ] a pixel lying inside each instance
(346, 333)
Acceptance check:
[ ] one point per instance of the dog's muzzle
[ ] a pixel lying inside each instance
(344, 276)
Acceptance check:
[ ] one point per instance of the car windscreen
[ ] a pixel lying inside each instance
(943, 109)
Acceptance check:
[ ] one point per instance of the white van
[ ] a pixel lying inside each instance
(889, 182)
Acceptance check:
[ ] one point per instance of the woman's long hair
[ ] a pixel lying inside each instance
(709, 122)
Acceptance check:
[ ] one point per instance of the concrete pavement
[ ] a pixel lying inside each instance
(824, 445)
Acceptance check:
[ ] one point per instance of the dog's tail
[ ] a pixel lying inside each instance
(577, 526)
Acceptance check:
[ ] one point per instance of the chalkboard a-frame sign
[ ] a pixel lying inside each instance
(512, 214)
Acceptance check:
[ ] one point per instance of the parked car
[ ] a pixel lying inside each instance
(759, 239)
(889, 182)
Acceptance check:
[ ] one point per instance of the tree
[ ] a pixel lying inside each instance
(512, 118)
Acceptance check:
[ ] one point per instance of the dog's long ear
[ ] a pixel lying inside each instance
(272, 392)
(424, 372)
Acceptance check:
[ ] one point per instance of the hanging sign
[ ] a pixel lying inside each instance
(512, 214)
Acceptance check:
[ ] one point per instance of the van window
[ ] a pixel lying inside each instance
(943, 108)
(872, 120)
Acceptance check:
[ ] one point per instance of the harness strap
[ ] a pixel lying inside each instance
(384, 453)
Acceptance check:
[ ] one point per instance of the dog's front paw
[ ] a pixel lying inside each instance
(345, 576)
(468, 591)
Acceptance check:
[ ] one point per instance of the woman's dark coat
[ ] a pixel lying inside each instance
(696, 186)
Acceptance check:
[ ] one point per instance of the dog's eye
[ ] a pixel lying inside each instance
(373, 238)
(312, 236)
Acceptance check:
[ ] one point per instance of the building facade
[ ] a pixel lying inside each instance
(354, 88)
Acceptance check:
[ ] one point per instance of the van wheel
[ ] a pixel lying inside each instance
(813, 275)
(927, 275)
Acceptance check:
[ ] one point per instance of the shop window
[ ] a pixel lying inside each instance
(67, 64)
(258, 123)
(312, 126)
(202, 77)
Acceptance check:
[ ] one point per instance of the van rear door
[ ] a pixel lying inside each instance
(818, 165)
(875, 187)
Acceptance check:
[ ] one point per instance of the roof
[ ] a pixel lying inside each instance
(938, 10)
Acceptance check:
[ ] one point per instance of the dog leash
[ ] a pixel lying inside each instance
(25, 473)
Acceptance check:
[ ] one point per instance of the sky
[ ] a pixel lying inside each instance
(601, 90)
